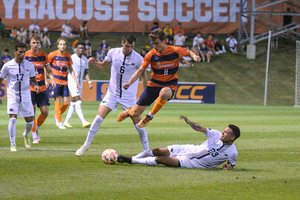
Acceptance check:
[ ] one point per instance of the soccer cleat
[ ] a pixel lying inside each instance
(86, 124)
(27, 142)
(56, 121)
(145, 121)
(35, 141)
(123, 115)
(13, 148)
(124, 159)
(81, 150)
(67, 124)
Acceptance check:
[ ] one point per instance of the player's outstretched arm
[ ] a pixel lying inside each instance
(194, 125)
(144, 80)
(100, 65)
(137, 74)
(194, 56)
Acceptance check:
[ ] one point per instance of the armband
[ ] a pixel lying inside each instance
(194, 57)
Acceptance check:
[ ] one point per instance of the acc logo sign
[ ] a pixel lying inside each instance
(195, 93)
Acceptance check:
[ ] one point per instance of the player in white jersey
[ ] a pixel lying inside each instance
(18, 73)
(217, 149)
(124, 62)
(80, 67)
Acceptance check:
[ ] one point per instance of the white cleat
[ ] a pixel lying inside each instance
(81, 150)
(35, 141)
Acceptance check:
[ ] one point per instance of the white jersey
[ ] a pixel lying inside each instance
(209, 154)
(196, 39)
(79, 66)
(18, 83)
(231, 42)
(122, 68)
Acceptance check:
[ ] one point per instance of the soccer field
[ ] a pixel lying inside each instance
(267, 166)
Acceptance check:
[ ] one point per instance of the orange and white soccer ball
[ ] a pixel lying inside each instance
(109, 156)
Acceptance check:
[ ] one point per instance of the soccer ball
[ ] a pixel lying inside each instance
(109, 156)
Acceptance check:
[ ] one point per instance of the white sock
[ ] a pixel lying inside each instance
(144, 154)
(150, 114)
(143, 137)
(70, 112)
(79, 111)
(93, 130)
(37, 128)
(34, 135)
(28, 128)
(146, 161)
(12, 130)
(223, 48)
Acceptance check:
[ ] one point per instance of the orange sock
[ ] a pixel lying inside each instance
(41, 119)
(64, 107)
(158, 105)
(34, 125)
(58, 111)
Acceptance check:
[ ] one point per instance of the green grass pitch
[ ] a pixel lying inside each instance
(267, 165)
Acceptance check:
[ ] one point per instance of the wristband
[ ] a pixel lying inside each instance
(90, 82)
(194, 57)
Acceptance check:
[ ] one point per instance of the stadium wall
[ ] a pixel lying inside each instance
(187, 92)
(207, 16)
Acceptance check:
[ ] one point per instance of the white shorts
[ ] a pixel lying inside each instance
(74, 90)
(112, 102)
(23, 109)
(65, 34)
(184, 153)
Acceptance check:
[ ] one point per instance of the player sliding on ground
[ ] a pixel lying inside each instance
(164, 60)
(217, 149)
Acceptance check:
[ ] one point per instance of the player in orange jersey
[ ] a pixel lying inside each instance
(39, 60)
(60, 62)
(164, 60)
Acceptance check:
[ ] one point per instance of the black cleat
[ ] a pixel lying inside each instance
(124, 159)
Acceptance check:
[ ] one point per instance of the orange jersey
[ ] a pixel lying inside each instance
(59, 64)
(179, 29)
(164, 66)
(38, 60)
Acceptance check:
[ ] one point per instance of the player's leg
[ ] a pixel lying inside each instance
(103, 111)
(65, 98)
(163, 151)
(33, 100)
(165, 94)
(12, 131)
(146, 99)
(70, 111)
(28, 127)
(79, 111)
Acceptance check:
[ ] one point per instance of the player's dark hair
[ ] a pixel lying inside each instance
(129, 38)
(79, 43)
(157, 33)
(235, 130)
(20, 45)
(6, 50)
